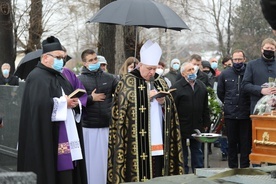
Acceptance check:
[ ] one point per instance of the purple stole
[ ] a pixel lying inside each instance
(64, 160)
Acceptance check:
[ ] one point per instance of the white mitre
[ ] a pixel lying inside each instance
(150, 53)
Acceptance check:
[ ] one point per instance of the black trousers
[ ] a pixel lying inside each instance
(239, 133)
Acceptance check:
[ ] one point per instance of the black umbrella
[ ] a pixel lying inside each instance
(29, 62)
(144, 13)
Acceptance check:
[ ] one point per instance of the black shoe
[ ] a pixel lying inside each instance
(223, 157)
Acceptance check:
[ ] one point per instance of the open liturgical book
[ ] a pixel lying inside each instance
(161, 94)
(77, 93)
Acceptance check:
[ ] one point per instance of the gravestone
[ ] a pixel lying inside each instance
(17, 177)
(10, 107)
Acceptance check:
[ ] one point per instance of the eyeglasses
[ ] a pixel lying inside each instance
(57, 57)
(238, 59)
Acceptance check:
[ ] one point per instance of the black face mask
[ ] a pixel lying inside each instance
(237, 65)
(207, 72)
(269, 54)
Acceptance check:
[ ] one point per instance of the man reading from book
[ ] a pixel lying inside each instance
(142, 143)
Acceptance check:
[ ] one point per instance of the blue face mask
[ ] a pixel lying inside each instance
(191, 77)
(58, 64)
(5, 72)
(175, 66)
(214, 65)
(93, 67)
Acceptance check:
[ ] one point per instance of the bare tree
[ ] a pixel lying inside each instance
(106, 45)
(250, 28)
(7, 53)
(35, 29)
(213, 19)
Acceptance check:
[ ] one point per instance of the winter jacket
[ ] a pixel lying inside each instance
(256, 74)
(236, 101)
(192, 106)
(172, 76)
(97, 114)
(11, 80)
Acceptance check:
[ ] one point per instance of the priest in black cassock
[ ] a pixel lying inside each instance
(50, 137)
(144, 137)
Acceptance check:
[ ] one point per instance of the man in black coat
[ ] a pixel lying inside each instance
(50, 139)
(236, 111)
(191, 99)
(196, 60)
(6, 78)
(258, 71)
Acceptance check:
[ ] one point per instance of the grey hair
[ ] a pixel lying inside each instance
(183, 66)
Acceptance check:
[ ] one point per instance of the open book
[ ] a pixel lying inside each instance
(161, 94)
(77, 93)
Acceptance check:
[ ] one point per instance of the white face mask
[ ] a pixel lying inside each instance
(159, 71)
(196, 68)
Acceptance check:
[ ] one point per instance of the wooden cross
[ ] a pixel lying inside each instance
(141, 87)
(143, 132)
(142, 109)
(144, 156)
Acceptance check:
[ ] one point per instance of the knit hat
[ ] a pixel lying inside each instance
(175, 60)
(51, 44)
(150, 53)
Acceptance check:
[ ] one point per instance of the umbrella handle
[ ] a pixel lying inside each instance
(136, 38)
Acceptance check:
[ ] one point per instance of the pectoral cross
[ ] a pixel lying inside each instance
(142, 109)
(168, 109)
